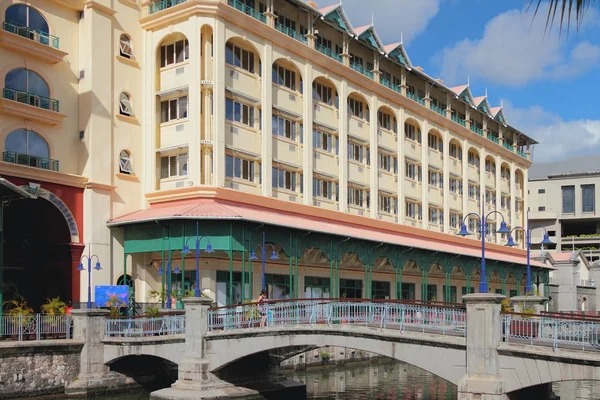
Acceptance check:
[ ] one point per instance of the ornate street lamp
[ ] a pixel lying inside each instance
(89, 257)
(263, 248)
(186, 250)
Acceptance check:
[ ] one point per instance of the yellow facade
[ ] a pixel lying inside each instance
(187, 90)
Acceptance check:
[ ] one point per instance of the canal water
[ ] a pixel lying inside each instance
(389, 380)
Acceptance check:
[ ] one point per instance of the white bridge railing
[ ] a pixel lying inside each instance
(573, 332)
(145, 326)
(443, 318)
(35, 327)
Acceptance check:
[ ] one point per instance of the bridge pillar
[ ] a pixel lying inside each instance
(195, 379)
(483, 380)
(94, 376)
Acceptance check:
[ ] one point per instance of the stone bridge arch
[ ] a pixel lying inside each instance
(444, 357)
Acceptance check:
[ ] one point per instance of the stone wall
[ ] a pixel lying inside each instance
(35, 368)
(587, 294)
(336, 355)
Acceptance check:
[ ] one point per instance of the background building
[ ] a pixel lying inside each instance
(562, 198)
(121, 107)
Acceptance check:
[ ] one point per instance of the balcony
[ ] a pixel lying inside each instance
(328, 52)
(458, 120)
(521, 153)
(291, 33)
(30, 161)
(508, 146)
(238, 5)
(416, 98)
(30, 106)
(359, 68)
(30, 42)
(389, 85)
(31, 34)
(493, 138)
(477, 130)
(437, 109)
(163, 5)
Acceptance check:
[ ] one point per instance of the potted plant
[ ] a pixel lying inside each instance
(21, 313)
(54, 307)
(250, 314)
(506, 305)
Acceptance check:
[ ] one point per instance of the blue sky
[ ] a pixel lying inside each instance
(549, 84)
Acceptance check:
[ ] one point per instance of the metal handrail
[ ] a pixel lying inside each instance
(163, 5)
(30, 33)
(238, 5)
(291, 33)
(328, 52)
(31, 99)
(29, 160)
(172, 324)
(35, 327)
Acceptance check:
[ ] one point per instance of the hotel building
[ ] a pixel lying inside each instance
(273, 125)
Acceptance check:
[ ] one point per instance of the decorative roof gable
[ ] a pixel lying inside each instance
(368, 35)
(336, 15)
(397, 53)
(464, 93)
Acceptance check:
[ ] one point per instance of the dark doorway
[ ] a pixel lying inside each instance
(37, 257)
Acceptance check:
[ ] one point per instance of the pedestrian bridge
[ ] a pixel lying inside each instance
(520, 351)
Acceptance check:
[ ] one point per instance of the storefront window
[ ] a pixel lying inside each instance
(408, 291)
(316, 288)
(381, 290)
(453, 297)
(351, 288)
(431, 293)
(278, 286)
(223, 298)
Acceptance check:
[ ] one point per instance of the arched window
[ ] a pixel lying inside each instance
(24, 16)
(26, 86)
(28, 148)
(125, 107)
(125, 165)
(126, 50)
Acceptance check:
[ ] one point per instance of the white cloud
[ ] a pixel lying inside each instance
(515, 49)
(392, 17)
(558, 139)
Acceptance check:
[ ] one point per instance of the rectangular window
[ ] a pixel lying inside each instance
(284, 179)
(278, 286)
(284, 127)
(358, 153)
(412, 171)
(455, 220)
(474, 192)
(387, 162)
(412, 132)
(414, 210)
(239, 112)
(239, 57)
(540, 191)
(386, 121)
(239, 168)
(408, 291)
(174, 53)
(388, 204)
(355, 108)
(316, 288)
(356, 196)
(433, 140)
(542, 208)
(588, 198)
(568, 199)
(283, 76)
(325, 189)
(473, 159)
(324, 141)
(351, 288)
(451, 296)
(173, 109)
(380, 290)
(322, 93)
(175, 165)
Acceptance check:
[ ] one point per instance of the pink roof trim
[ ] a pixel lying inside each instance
(459, 89)
(478, 100)
(328, 9)
(391, 47)
(495, 110)
(209, 208)
(361, 29)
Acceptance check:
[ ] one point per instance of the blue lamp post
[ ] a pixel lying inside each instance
(186, 250)
(545, 241)
(483, 286)
(263, 248)
(89, 257)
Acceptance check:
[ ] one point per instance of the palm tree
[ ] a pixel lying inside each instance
(563, 9)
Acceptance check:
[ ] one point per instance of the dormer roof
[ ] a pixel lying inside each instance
(336, 15)
(397, 53)
(367, 34)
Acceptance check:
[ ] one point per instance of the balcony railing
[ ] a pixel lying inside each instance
(437, 109)
(359, 68)
(416, 98)
(389, 84)
(458, 120)
(477, 130)
(291, 33)
(27, 32)
(493, 138)
(163, 5)
(508, 146)
(238, 5)
(521, 153)
(30, 98)
(328, 52)
(29, 160)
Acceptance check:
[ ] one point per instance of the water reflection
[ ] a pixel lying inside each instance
(381, 379)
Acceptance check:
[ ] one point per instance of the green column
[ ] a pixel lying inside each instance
(503, 285)
(336, 276)
(291, 269)
(398, 282)
(518, 287)
(447, 292)
(297, 274)
(182, 262)
(250, 273)
(468, 283)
